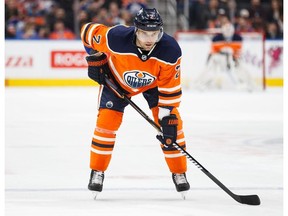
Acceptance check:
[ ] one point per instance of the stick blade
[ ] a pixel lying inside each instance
(250, 200)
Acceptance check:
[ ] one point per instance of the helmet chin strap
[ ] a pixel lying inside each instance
(140, 49)
(144, 55)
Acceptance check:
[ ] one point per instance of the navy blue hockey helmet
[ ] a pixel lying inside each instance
(148, 20)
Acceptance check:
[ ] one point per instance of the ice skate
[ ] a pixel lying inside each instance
(96, 182)
(181, 184)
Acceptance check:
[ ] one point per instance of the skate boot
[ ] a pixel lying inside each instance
(96, 182)
(181, 183)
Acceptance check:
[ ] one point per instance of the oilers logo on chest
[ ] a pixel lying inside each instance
(137, 79)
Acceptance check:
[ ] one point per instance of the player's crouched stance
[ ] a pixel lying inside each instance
(138, 63)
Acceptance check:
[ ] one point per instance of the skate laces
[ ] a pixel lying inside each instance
(97, 177)
(180, 179)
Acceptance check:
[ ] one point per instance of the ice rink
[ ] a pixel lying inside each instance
(237, 136)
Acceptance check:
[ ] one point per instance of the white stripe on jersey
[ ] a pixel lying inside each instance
(82, 33)
(90, 36)
(101, 152)
(170, 89)
(165, 61)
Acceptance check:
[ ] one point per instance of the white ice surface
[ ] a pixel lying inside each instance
(237, 136)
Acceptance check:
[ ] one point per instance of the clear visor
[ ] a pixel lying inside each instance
(149, 36)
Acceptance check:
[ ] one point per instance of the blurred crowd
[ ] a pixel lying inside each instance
(247, 15)
(62, 19)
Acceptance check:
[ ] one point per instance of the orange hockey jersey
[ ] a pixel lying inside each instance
(235, 44)
(136, 71)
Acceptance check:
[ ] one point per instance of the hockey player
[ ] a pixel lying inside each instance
(225, 56)
(139, 59)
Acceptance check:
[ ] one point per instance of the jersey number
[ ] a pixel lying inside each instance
(97, 39)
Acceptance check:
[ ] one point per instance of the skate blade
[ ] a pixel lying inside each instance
(183, 194)
(95, 194)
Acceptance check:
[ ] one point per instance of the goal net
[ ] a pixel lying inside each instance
(199, 73)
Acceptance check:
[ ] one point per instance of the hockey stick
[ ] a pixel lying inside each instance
(244, 199)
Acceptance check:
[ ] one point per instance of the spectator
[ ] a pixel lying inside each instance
(243, 23)
(127, 17)
(134, 6)
(12, 18)
(61, 32)
(118, 2)
(10, 31)
(221, 18)
(102, 17)
(225, 5)
(28, 32)
(58, 14)
(115, 17)
(50, 16)
(257, 15)
(83, 5)
(94, 8)
(198, 15)
(43, 33)
(11, 11)
(213, 9)
(275, 13)
(82, 18)
(67, 6)
(273, 31)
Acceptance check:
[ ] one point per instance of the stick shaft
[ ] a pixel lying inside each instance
(250, 199)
